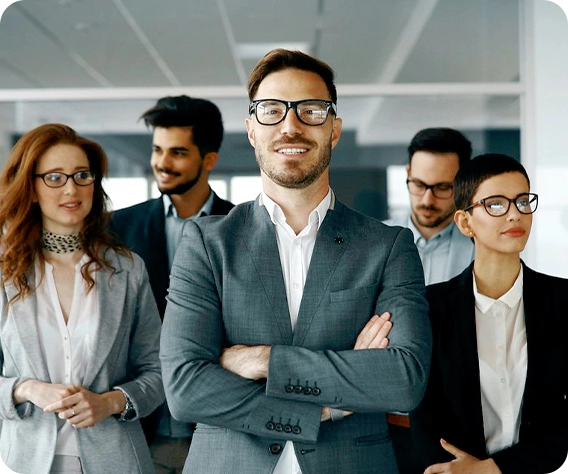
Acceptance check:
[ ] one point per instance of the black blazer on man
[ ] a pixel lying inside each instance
(451, 408)
(142, 228)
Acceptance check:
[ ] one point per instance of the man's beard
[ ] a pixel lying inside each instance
(431, 223)
(184, 187)
(296, 177)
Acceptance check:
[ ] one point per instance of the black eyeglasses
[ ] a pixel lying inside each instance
(309, 111)
(496, 206)
(439, 190)
(56, 179)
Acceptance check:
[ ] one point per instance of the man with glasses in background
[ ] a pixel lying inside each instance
(272, 309)
(435, 155)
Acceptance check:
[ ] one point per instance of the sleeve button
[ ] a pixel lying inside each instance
(275, 448)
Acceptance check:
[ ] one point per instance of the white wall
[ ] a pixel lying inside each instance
(545, 131)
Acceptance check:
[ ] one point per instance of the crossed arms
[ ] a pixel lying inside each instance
(213, 375)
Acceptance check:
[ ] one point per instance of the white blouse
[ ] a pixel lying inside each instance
(502, 351)
(66, 348)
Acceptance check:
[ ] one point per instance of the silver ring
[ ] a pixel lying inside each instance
(73, 411)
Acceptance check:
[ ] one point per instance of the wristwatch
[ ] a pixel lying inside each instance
(129, 413)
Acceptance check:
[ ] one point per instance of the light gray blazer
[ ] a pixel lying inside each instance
(227, 288)
(126, 355)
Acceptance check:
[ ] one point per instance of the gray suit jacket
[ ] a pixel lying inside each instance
(126, 355)
(227, 288)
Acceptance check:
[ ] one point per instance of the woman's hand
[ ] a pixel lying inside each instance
(463, 463)
(85, 409)
(41, 394)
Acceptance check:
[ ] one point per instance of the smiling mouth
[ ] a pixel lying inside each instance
(292, 151)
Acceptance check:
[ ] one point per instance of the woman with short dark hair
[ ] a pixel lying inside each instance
(496, 396)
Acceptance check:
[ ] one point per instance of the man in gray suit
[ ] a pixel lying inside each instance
(272, 339)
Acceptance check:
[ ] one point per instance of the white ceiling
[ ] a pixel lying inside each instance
(400, 65)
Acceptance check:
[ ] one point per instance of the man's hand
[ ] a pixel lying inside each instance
(375, 333)
(85, 409)
(463, 463)
(250, 362)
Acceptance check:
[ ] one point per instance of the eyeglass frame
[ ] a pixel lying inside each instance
(67, 176)
(510, 201)
(293, 104)
(431, 187)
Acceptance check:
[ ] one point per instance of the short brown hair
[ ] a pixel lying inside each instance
(279, 59)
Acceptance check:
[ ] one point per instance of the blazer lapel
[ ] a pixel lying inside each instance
(535, 301)
(331, 243)
(111, 295)
(24, 317)
(259, 237)
(464, 356)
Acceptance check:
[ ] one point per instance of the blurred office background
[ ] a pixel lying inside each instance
(494, 69)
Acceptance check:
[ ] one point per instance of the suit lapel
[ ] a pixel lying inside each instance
(535, 301)
(156, 254)
(24, 317)
(259, 237)
(331, 243)
(111, 292)
(464, 356)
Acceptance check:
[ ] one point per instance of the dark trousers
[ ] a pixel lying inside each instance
(405, 454)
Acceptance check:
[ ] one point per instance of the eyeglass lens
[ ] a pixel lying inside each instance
(57, 180)
(310, 112)
(418, 188)
(499, 205)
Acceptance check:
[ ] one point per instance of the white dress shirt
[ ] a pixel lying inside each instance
(502, 352)
(295, 256)
(66, 348)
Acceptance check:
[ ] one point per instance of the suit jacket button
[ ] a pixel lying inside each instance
(278, 427)
(316, 391)
(287, 429)
(296, 430)
(270, 425)
(275, 448)
(298, 389)
(307, 390)
(289, 388)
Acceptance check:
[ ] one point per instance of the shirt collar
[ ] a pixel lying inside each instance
(171, 211)
(446, 232)
(277, 215)
(483, 303)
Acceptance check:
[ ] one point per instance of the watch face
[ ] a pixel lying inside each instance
(130, 414)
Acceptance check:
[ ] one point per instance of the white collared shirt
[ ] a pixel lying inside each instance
(66, 348)
(295, 256)
(502, 352)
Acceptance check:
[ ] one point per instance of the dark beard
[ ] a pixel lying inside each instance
(292, 179)
(182, 188)
(435, 223)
